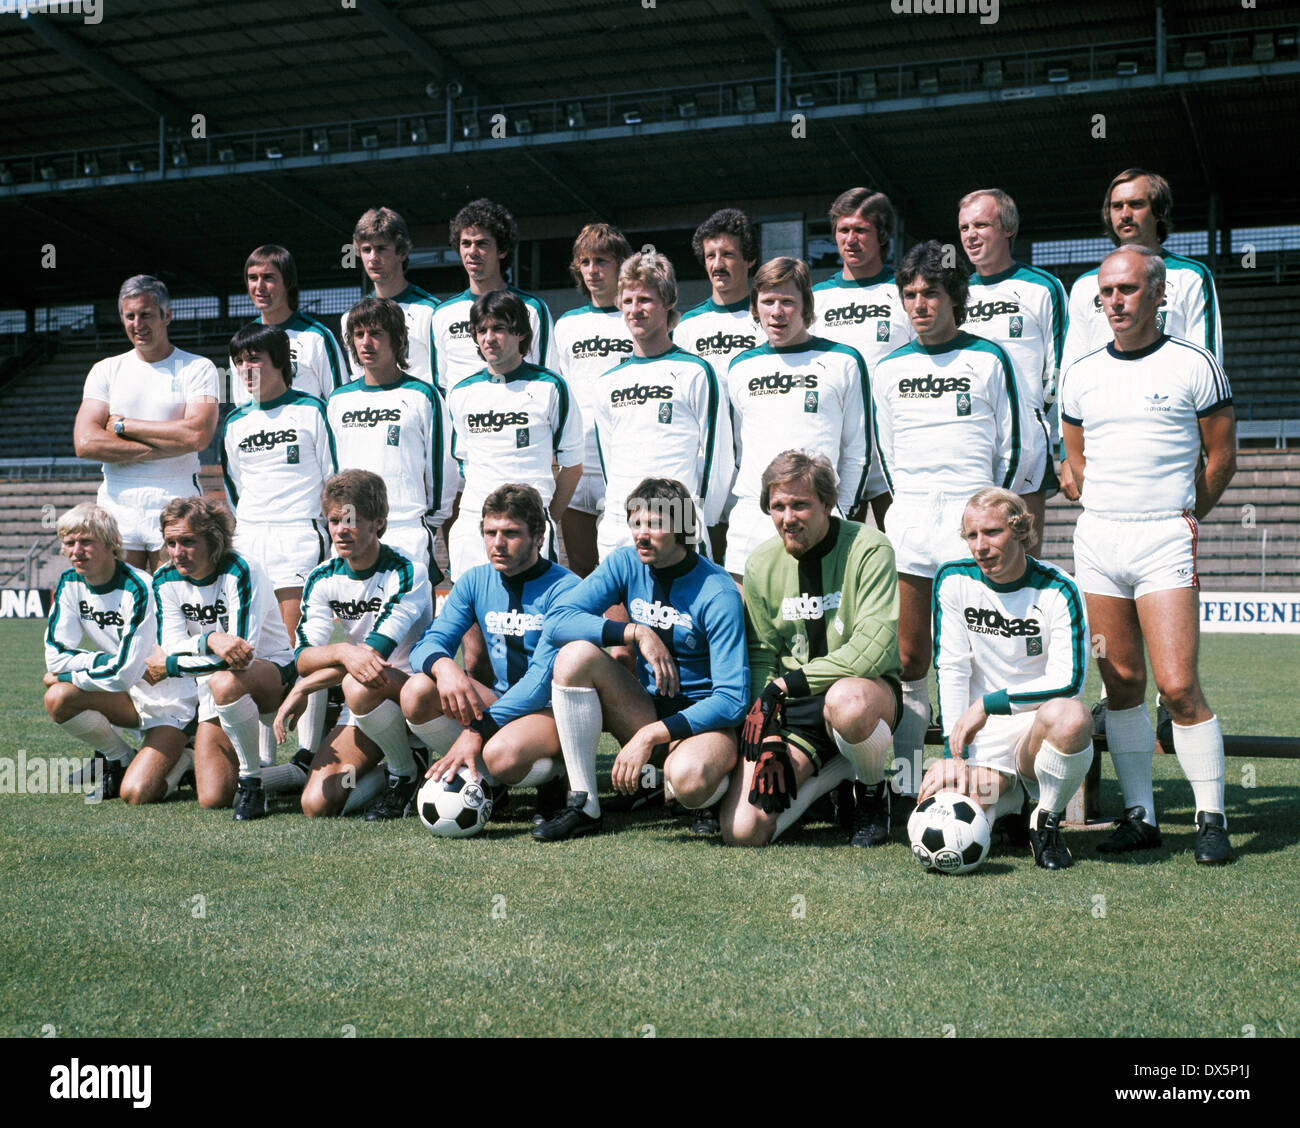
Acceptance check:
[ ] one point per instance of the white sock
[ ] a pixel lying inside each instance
(438, 735)
(283, 777)
(869, 757)
(93, 728)
(1132, 743)
(173, 777)
(716, 797)
(368, 786)
(1059, 775)
(826, 780)
(1008, 803)
(579, 721)
(239, 722)
(1199, 749)
(540, 772)
(311, 725)
(386, 726)
(266, 743)
(909, 737)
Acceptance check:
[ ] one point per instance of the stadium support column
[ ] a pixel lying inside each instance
(1212, 231)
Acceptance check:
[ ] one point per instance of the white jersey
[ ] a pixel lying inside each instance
(718, 333)
(456, 356)
(317, 358)
(386, 606)
(118, 619)
(867, 314)
(401, 432)
(1190, 310)
(237, 599)
(417, 307)
(1014, 645)
(1139, 412)
(947, 417)
(512, 428)
(159, 392)
(1022, 308)
(275, 456)
(588, 342)
(666, 417)
(812, 396)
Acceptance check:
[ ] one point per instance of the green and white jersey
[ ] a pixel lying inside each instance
(275, 456)
(456, 356)
(589, 341)
(417, 307)
(237, 599)
(1014, 645)
(118, 619)
(718, 333)
(947, 417)
(812, 396)
(1189, 311)
(830, 614)
(386, 606)
(318, 364)
(867, 314)
(401, 432)
(512, 428)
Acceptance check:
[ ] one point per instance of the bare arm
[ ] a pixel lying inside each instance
(566, 481)
(1074, 458)
(92, 439)
(168, 438)
(1219, 439)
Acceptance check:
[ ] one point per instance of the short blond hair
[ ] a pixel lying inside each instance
(1019, 520)
(90, 518)
(655, 273)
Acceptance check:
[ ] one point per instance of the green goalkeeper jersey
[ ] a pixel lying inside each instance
(831, 614)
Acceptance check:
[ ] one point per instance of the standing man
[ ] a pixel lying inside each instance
(146, 414)
(588, 340)
(821, 620)
(722, 326)
(860, 306)
(1135, 416)
(1022, 308)
(318, 364)
(383, 243)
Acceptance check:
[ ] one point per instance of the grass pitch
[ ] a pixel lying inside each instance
(176, 921)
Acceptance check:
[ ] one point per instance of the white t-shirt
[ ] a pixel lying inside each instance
(316, 356)
(456, 356)
(588, 342)
(275, 457)
(417, 307)
(718, 333)
(866, 314)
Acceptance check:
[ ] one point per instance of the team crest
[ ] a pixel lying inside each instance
(963, 403)
(291, 454)
(521, 436)
(1033, 646)
(1017, 326)
(665, 413)
(1160, 320)
(810, 402)
(882, 330)
(395, 435)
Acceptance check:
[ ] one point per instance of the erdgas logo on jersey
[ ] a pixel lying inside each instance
(722, 342)
(854, 314)
(988, 620)
(805, 606)
(203, 612)
(489, 422)
(355, 608)
(517, 623)
(371, 416)
(778, 383)
(931, 387)
(459, 330)
(266, 440)
(638, 394)
(656, 614)
(100, 618)
(599, 346)
(987, 311)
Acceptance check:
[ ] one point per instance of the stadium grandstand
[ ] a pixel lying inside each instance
(170, 139)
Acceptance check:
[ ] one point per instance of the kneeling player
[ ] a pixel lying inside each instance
(505, 733)
(1011, 649)
(383, 602)
(821, 611)
(691, 685)
(219, 622)
(91, 693)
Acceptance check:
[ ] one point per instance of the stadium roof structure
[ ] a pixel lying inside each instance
(171, 137)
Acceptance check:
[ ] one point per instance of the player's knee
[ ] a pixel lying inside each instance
(139, 793)
(1183, 699)
(690, 783)
(225, 688)
(1067, 720)
(853, 706)
(58, 703)
(916, 664)
(573, 662)
(315, 805)
(745, 826)
(213, 797)
(419, 699)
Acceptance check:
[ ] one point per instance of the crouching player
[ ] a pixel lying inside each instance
(383, 602)
(821, 610)
(91, 693)
(218, 622)
(691, 686)
(1011, 649)
(505, 734)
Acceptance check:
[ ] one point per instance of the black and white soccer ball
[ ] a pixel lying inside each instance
(454, 808)
(949, 833)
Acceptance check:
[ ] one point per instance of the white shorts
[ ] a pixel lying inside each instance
(288, 550)
(414, 540)
(1035, 457)
(877, 484)
(172, 702)
(589, 497)
(748, 528)
(1131, 555)
(925, 530)
(995, 744)
(136, 509)
(465, 548)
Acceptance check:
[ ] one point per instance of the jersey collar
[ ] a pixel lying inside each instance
(823, 547)
(977, 279)
(112, 583)
(539, 568)
(1137, 354)
(676, 571)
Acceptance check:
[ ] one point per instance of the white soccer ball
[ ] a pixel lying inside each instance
(454, 808)
(949, 833)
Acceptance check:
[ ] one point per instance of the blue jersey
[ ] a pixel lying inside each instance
(511, 612)
(694, 607)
